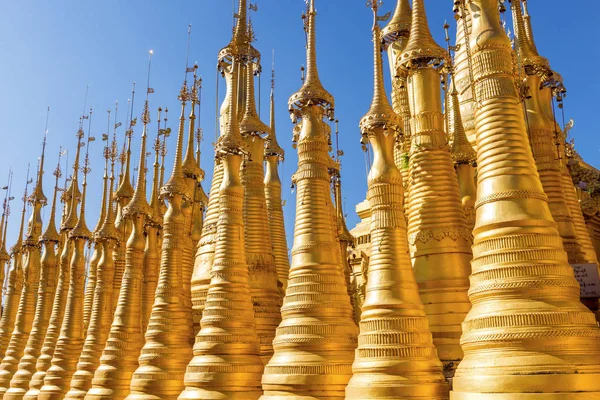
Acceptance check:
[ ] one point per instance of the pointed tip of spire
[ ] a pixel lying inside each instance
(251, 122)
(381, 113)
(524, 43)
(176, 183)
(400, 23)
(191, 168)
(272, 147)
(312, 91)
(461, 150)
(421, 45)
(51, 234)
(240, 45)
(139, 203)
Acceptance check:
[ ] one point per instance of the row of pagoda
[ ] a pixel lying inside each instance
(458, 282)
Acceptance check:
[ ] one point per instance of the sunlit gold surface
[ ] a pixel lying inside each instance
(527, 335)
(396, 357)
(46, 290)
(317, 336)
(439, 240)
(167, 349)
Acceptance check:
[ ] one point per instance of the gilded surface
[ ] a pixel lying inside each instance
(527, 333)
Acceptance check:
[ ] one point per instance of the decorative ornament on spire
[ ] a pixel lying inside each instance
(399, 25)
(421, 46)
(312, 91)
(251, 123)
(529, 58)
(51, 234)
(381, 113)
(461, 149)
(37, 196)
(240, 45)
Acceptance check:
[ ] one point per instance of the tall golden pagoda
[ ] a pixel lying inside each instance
(266, 296)
(273, 155)
(102, 308)
(97, 254)
(71, 197)
(14, 283)
(4, 256)
(123, 195)
(192, 174)
(31, 277)
(440, 242)
(153, 233)
(226, 361)
(112, 377)
(317, 336)
(396, 357)
(71, 338)
(167, 349)
(527, 335)
(541, 135)
(19, 383)
(242, 46)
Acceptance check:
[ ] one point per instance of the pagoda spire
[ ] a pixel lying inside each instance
(72, 194)
(4, 256)
(312, 91)
(37, 196)
(461, 149)
(14, 284)
(273, 155)
(399, 25)
(266, 296)
(98, 246)
(112, 371)
(19, 384)
(316, 311)
(227, 345)
(70, 341)
(439, 238)
(526, 50)
(528, 28)
(392, 307)
(167, 347)
(31, 255)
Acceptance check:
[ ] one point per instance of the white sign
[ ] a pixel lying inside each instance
(588, 278)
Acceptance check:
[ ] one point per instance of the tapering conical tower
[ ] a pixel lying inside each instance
(396, 357)
(438, 236)
(241, 46)
(119, 358)
(192, 174)
(14, 284)
(542, 137)
(71, 338)
(463, 68)
(123, 195)
(19, 383)
(274, 154)
(102, 308)
(315, 341)
(31, 278)
(527, 334)
(153, 232)
(226, 361)
(167, 350)
(90, 284)
(4, 256)
(464, 158)
(66, 247)
(266, 296)
(394, 38)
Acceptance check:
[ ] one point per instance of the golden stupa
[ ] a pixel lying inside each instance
(457, 283)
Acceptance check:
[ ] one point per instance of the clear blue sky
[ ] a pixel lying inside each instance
(52, 50)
